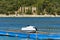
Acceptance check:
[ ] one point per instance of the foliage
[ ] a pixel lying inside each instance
(50, 6)
(29, 12)
(8, 5)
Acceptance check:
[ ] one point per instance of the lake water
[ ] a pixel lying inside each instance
(44, 24)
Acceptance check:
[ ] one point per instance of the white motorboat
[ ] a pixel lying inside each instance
(29, 29)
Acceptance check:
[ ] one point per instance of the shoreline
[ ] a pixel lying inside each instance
(29, 15)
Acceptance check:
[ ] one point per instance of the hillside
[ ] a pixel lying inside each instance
(43, 6)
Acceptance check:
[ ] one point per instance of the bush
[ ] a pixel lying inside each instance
(29, 12)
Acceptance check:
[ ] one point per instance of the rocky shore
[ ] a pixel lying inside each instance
(29, 15)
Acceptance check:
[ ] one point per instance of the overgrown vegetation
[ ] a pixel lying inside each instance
(8, 6)
(43, 6)
(50, 7)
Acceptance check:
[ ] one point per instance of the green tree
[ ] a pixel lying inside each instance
(8, 5)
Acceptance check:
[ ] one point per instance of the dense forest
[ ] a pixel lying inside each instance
(43, 6)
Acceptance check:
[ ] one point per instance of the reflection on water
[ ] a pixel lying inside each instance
(18, 38)
(14, 38)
